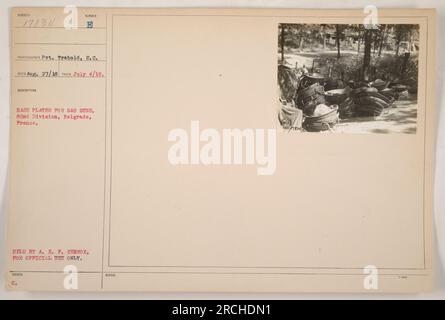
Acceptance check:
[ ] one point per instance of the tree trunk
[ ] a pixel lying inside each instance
(382, 41)
(337, 28)
(398, 47)
(367, 55)
(282, 44)
(404, 64)
(300, 46)
(376, 41)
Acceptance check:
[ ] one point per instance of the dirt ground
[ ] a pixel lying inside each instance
(401, 118)
(307, 58)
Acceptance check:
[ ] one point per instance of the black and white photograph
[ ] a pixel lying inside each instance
(348, 78)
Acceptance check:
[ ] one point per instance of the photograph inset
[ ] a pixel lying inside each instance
(348, 78)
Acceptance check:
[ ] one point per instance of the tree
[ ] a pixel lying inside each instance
(401, 32)
(282, 43)
(357, 30)
(382, 38)
(368, 33)
(337, 38)
(289, 35)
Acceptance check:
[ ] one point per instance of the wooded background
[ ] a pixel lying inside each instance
(353, 52)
